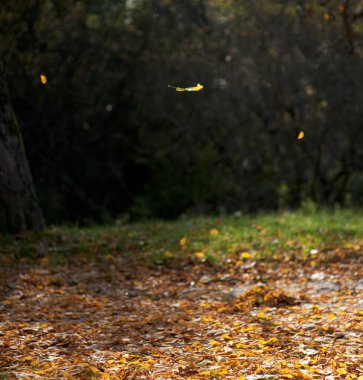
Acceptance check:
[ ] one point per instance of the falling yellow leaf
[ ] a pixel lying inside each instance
(183, 241)
(198, 87)
(43, 79)
(301, 135)
(213, 232)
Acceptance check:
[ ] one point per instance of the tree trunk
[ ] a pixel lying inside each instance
(19, 209)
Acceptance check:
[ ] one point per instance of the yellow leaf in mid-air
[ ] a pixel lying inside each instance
(198, 87)
(43, 79)
(301, 135)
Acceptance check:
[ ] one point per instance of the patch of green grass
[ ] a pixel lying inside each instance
(212, 238)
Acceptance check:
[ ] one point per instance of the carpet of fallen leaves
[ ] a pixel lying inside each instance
(107, 316)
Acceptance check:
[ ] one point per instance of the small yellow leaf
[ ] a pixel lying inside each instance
(214, 343)
(205, 305)
(168, 254)
(26, 359)
(245, 255)
(342, 371)
(43, 79)
(360, 377)
(213, 232)
(183, 241)
(330, 316)
(360, 313)
(301, 135)
(198, 87)
(226, 337)
(199, 255)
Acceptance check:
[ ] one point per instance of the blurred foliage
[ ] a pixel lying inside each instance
(105, 136)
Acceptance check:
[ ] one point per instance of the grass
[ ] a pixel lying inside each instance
(213, 239)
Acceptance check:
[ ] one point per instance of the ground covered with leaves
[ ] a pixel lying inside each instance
(268, 297)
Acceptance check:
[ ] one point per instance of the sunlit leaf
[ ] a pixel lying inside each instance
(198, 87)
(43, 79)
(245, 255)
(301, 135)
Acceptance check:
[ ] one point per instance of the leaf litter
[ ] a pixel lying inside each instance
(107, 316)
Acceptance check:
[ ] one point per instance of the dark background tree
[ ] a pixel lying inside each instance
(19, 208)
(106, 136)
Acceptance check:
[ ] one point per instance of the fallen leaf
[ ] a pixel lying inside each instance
(213, 232)
(183, 241)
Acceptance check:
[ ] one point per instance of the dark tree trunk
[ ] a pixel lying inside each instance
(19, 209)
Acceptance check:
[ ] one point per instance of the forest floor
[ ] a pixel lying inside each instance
(267, 297)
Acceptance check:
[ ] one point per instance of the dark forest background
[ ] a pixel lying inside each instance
(106, 138)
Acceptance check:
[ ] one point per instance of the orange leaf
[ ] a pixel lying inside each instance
(43, 79)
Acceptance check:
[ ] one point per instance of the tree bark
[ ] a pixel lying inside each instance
(19, 209)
